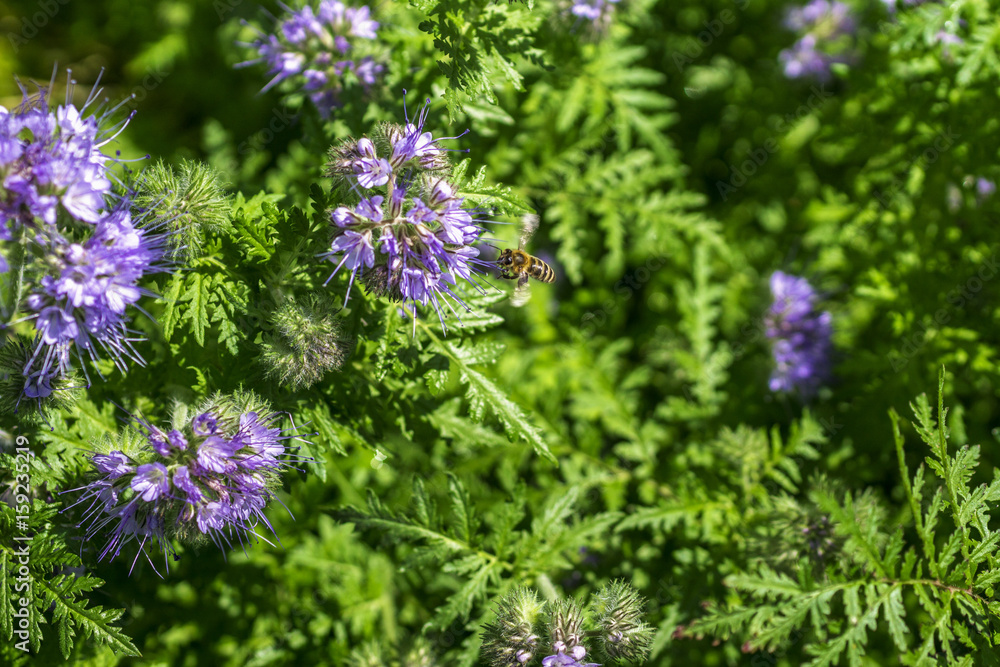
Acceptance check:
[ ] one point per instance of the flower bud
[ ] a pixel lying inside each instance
(188, 199)
(342, 157)
(305, 344)
(379, 282)
(619, 611)
(566, 627)
(420, 655)
(32, 396)
(510, 640)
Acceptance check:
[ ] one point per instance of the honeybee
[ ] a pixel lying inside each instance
(517, 264)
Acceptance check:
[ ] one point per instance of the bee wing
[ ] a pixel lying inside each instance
(488, 252)
(522, 292)
(529, 223)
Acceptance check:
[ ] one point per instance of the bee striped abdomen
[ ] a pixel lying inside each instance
(541, 271)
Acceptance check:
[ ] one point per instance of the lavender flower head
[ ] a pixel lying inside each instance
(316, 48)
(209, 477)
(51, 164)
(81, 298)
(800, 336)
(423, 230)
(49, 160)
(80, 253)
(826, 29)
(985, 187)
(597, 12)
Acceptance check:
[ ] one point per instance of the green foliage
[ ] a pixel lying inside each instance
(932, 593)
(480, 556)
(482, 45)
(43, 585)
(616, 436)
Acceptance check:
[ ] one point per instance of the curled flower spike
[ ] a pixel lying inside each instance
(510, 640)
(188, 483)
(306, 342)
(800, 336)
(31, 394)
(311, 47)
(826, 29)
(566, 634)
(619, 610)
(420, 227)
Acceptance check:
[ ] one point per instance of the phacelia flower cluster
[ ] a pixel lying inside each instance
(616, 611)
(800, 336)
(207, 477)
(826, 36)
(51, 162)
(318, 49)
(77, 250)
(81, 298)
(421, 228)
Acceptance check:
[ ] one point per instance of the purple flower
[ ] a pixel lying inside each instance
(826, 17)
(985, 187)
(177, 440)
(262, 441)
(826, 30)
(800, 336)
(561, 659)
(151, 481)
(947, 38)
(212, 516)
(372, 172)
(183, 481)
(805, 60)
(368, 70)
(424, 231)
(596, 11)
(215, 453)
(216, 484)
(158, 441)
(591, 9)
(82, 299)
(51, 163)
(204, 424)
(303, 47)
(114, 465)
